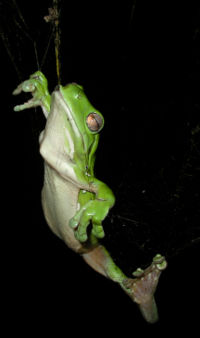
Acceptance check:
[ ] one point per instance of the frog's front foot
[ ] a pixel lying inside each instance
(37, 85)
(142, 288)
(93, 212)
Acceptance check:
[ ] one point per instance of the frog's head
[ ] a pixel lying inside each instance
(73, 124)
(82, 124)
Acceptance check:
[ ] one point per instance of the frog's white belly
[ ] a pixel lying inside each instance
(59, 202)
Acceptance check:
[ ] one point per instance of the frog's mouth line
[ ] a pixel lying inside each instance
(69, 115)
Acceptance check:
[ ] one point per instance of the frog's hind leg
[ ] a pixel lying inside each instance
(140, 289)
(143, 287)
(100, 260)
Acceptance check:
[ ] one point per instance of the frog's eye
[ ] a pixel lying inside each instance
(94, 122)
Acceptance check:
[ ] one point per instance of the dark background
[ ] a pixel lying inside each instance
(140, 68)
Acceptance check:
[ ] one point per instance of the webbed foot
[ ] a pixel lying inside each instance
(142, 288)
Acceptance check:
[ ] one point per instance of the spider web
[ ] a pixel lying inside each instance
(25, 35)
(28, 43)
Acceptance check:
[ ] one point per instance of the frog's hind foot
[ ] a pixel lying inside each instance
(142, 288)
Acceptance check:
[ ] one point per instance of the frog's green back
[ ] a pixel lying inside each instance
(80, 108)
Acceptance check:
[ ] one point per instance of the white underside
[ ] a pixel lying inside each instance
(61, 187)
(59, 201)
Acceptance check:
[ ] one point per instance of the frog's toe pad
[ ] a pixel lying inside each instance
(80, 237)
(98, 231)
(73, 223)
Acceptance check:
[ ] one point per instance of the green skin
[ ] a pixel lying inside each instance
(95, 205)
(95, 197)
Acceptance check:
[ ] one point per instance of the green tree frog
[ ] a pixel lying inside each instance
(72, 197)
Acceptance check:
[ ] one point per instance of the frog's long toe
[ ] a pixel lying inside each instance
(26, 86)
(17, 90)
(29, 104)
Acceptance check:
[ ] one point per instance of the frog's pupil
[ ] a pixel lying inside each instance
(94, 121)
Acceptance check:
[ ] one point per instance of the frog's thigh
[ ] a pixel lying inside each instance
(53, 228)
(96, 259)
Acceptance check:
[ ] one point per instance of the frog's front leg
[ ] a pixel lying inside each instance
(94, 211)
(37, 85)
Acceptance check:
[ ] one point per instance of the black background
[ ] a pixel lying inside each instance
(141, 69)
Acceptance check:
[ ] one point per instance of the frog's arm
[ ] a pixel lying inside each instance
(38, 86)
(94, 209)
